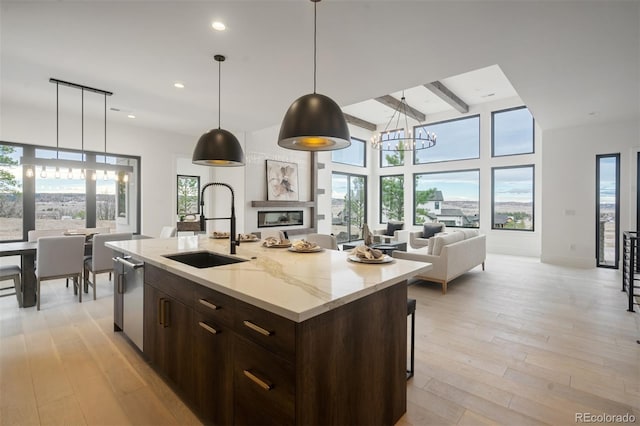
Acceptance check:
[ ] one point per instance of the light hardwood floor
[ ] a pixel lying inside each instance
(520, 343)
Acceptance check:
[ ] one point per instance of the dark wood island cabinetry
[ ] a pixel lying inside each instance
(236, 363)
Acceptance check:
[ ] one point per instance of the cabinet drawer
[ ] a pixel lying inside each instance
(271, 331)
(214, 305)
(177, 287)
(264, 386)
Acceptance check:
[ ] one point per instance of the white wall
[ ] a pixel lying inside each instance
(569, 187)
(260, 146)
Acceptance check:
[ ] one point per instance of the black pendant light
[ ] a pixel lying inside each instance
(218, 147)
(314, 122)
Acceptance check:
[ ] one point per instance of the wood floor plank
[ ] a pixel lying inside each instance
(64, 411)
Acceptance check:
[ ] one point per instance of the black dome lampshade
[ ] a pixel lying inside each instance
(218, 147)
(314, 122)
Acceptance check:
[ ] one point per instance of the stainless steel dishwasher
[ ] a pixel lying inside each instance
(129, 280)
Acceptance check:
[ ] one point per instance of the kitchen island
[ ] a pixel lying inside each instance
(279, 338)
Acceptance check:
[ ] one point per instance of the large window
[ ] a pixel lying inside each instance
(512, 198)
(457, 139)
(391, 198)
(451, 198)
(512, 132)
(353, 155)
(348, 206)
(10, 193)
(41, 188)
(607, 210)
(390, 158)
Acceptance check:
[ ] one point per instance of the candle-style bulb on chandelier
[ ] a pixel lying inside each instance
(391, 139)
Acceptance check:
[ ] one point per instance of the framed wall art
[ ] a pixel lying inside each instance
(282, 181)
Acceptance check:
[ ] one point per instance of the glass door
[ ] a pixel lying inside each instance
(348, 206)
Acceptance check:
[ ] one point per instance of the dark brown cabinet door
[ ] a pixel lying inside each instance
(264, 386)
(167, 338)
(213, 354)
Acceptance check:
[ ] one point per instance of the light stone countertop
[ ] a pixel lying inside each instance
(297, 286)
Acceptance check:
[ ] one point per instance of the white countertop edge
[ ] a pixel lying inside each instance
(279, 310)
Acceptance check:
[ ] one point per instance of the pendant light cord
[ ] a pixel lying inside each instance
(219, 85)
(315, 49)
(105, 128)
(82, 122)
(57, 122)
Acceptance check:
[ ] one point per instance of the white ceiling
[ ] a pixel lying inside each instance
(572, 62)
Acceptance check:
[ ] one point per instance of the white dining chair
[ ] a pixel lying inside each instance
(324, 240)
(34, 234)
(168, 232)
(100, 261)
(60, 257)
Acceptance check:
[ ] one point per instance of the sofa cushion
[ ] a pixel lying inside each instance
(430, 245)
(393, 226)
(431, 229)
(444, 240)
(470, 233)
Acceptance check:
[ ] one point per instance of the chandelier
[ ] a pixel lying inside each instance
(398, 139)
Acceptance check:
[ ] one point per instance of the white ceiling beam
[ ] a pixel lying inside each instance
(392, 102)
(360, 122)
(447, 95)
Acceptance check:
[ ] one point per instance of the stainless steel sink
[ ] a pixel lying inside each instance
(203, 259)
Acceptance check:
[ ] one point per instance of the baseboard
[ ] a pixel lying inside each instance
(575, 262)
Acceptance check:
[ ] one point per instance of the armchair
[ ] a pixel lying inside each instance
(392, 233)
(419, 239)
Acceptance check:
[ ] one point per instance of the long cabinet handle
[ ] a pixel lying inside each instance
(160, 311)
(119, 281)
(209, 304)
(255, 379)
(257, 328)
(208, 327)
(166, 316)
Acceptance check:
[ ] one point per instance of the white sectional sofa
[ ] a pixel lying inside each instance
(452, 254)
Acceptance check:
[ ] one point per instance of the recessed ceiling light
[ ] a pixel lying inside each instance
(131, 116)
(218, 26)
(178, 85)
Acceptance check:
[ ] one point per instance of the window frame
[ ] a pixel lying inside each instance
(381, 177)
(381, 156)
(364, 154)
(533, 196)
(533, 132)
(365, 187)
(415, 175)
(616, 263)
(29, 187)
(424, 125)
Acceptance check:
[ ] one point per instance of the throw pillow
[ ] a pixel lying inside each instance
(393, 226)
(431, 229)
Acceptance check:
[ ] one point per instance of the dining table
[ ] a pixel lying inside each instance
(26, 294)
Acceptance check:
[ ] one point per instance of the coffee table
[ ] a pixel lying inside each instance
(386, 248)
